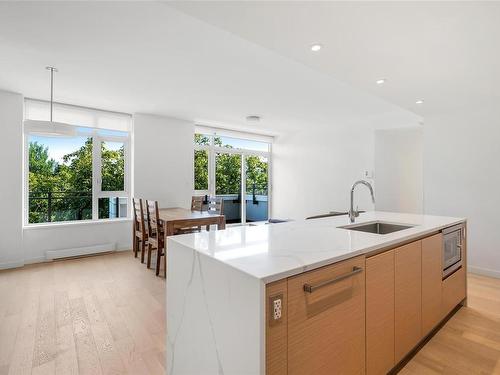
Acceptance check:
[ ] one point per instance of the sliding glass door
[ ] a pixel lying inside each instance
(256, 197)
(228, 184)
(236, 170)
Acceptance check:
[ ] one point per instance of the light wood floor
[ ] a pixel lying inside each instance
(469, 343)
(96, 315)
(106, 315)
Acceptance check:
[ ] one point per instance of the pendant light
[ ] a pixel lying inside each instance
(50, 128)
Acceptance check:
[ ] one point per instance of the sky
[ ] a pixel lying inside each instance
(245, 144)
(60, 146)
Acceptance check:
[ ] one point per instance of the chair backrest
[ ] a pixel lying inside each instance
(138, 215)
(197, 203)
(216, 205)
(154, 226)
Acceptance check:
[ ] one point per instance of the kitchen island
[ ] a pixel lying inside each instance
(307, 297)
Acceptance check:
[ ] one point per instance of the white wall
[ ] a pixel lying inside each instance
(163, 160)
(399, 170)
(11, 117)
(163, 150)
(313, 171)
(17, 245)
(462, 178)
(38, 240)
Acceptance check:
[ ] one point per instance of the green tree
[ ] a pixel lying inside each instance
(257, 175)
(78, 168)
(227, 173)
(113, 168)
(200, 169)
(42, 178)
(40, 164)
(201, 163)
(228, 169)
(113, 176)
(75, 197)
(68, 185)
(201, 140)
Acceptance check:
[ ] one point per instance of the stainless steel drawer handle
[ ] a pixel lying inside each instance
(308, 288)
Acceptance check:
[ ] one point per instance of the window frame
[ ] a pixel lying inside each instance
(97, 193)
(212, 152)
(208, 149)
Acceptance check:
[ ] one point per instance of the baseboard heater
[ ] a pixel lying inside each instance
(80, 251)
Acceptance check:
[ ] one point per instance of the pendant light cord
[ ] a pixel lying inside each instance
(52, 70)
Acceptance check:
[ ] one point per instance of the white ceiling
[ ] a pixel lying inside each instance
(149, 57)
(447, 53)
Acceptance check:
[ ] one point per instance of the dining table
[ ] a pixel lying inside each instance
(174, 218)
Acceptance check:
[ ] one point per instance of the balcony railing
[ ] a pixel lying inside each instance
(256, 207)
(54, 206)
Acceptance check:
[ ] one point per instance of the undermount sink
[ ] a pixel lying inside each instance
(377, 227)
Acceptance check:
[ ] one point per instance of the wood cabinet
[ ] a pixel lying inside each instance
(326, 328)
(362, 314)
(408, 298)
(453, 291)
(431, 282)
(380, 313)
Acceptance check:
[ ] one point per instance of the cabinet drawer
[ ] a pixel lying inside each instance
(326, 327)
(408, 298)
(432, 271)
(453, 290)
(380, 313)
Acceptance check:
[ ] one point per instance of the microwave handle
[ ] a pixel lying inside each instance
(462, 237)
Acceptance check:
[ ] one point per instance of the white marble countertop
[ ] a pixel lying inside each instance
(275, 251)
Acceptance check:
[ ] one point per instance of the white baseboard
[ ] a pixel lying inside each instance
(79, 251)
(66, 253)
(483, 271)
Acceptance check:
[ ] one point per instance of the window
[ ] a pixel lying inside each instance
(201, 160)
(80, 176)
(236, 169)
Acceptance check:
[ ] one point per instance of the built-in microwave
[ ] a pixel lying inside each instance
(453, 242)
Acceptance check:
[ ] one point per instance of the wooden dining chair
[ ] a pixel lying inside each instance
(215, 206)
(197, 202)
(139, 231)
(156, 236)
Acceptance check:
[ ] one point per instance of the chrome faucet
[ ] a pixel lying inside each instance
(354, 214)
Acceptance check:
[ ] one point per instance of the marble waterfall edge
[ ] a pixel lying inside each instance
(214, 316)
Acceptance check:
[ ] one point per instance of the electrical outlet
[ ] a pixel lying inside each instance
(276, 308)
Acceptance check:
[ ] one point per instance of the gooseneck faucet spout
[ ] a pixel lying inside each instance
(353, 214)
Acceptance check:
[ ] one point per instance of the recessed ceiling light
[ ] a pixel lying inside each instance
(253, 118)
(381, 81)
(316, 47)
(420, 101)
